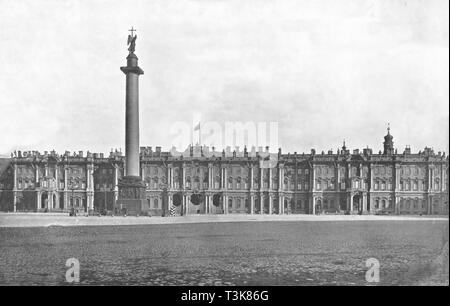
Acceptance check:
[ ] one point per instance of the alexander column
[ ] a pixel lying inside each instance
(131, 187)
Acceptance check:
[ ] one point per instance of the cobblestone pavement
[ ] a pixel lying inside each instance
(245, 253)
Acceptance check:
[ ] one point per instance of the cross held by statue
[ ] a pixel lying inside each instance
(132, 30)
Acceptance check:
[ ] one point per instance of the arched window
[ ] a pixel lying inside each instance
(238, 183)
(155, 203)
(383, 204)
(230, 203)
(238, 203)
(377, 204)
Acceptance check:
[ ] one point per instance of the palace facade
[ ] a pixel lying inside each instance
(204, 181)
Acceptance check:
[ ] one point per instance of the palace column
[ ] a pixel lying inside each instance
(185, 210)
(15, 189)
(351, 203)
(131, 186)
(251, 178)
(90, 186)
(281, 205)
(116, 182)
(210, 177)
(270, 204)
(252, 204)
(280, 189)
(66, 170)
(226, 188)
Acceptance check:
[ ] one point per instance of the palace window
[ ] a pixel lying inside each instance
(299, 186)
(155, 203)
(436, 185)
(196, 182)
(230, 203)
(188, 182)
(306, 186)
(217, 182)
(415, 185)
(306, 171)
(376, 185)
(238, 203)
(383, 185)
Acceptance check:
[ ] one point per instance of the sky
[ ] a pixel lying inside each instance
(324, 70)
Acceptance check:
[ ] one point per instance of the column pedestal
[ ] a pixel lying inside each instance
(131, 195)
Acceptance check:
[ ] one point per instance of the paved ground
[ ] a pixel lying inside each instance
(60, 219)
(229, 253)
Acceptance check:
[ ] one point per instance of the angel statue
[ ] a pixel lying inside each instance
(131, 41)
